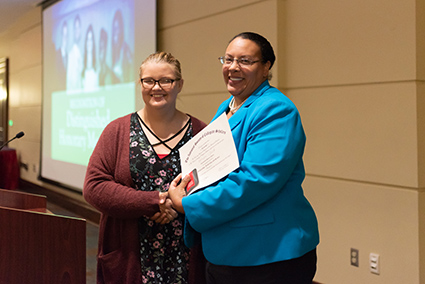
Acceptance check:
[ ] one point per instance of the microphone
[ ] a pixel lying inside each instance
(19, 135)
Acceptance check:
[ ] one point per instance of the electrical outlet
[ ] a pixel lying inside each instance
(374, 263)
(354, 257)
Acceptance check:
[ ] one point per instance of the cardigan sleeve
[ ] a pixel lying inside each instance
(108, 185)
(197, 125)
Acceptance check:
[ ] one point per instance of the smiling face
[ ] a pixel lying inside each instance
(243, 80)
(156, 96)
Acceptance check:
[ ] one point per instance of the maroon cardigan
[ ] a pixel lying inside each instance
(109, 187)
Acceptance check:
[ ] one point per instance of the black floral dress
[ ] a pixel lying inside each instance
(163, 254)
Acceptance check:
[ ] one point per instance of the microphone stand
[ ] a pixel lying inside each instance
(19, 135)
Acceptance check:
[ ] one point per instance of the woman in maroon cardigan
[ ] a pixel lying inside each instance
(135, 159)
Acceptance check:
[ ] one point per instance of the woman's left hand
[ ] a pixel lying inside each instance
(177, 191)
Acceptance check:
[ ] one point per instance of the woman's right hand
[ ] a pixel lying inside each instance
(177, 191)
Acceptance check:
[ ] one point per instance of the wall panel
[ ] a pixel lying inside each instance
(370, 218)
(364, 133)
(350, 42)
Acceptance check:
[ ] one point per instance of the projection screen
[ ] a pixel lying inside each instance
(92, 50)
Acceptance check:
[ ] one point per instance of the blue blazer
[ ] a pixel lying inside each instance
(258, 214)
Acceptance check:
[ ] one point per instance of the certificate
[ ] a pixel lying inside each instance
(210, 155)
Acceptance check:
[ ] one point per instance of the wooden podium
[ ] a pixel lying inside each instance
(37, 246)
(9, 169)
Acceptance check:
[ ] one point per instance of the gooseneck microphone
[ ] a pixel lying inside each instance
(19, 135)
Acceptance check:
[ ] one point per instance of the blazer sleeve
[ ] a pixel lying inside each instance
(108, 185)
(270, 147)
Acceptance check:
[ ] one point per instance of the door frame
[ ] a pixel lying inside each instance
(4, 99)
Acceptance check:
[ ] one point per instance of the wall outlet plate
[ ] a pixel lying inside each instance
(374, 263)
(354, 257)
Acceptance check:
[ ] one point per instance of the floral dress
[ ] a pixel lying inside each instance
(164, 256)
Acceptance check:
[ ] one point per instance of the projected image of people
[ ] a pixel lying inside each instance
(89, 74)
(73, 78)
(122, 62)
(62, 58)
(91, 54)
(106, 76)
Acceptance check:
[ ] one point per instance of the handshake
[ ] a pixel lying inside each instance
(170, 203)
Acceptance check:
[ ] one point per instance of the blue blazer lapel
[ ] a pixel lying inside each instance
(235, 119)
(239, 116)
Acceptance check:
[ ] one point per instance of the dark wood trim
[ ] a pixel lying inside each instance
(76, 206)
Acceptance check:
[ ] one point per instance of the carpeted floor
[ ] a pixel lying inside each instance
(92, 232)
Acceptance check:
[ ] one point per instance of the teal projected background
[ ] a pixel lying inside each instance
(80, 118)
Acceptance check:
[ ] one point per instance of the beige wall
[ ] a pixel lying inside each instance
(22, 44)
(355, 70)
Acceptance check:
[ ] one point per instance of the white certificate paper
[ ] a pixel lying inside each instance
(210, 154)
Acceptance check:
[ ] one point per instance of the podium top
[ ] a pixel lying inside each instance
(22, 200)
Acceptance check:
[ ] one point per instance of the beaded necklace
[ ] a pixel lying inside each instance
(232, 106)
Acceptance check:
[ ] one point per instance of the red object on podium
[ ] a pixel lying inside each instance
(36, 246)
(9, 169)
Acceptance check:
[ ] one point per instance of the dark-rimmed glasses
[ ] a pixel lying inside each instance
(164, 83)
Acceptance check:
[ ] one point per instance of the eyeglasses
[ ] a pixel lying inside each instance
(164, 83)
(241, 61)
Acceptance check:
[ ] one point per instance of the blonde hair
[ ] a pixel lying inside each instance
(162, 57)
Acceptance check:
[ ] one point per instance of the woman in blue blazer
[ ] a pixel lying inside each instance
(256, 225)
